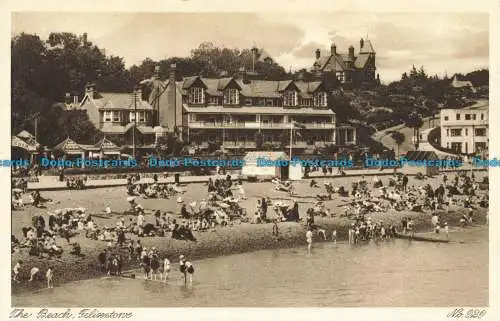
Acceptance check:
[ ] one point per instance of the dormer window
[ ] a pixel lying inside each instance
(197, 95)
(231, 97)
(290, 98)
(320, 99)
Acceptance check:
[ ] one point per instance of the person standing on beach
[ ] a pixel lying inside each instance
(334, 236)
(409, 227)
(190, 272)
(309, 235)
(166, 268)
(275, 229)
(49, 276)
(446, 230)
(17, 270)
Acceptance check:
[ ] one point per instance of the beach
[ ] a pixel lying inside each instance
(226, 240)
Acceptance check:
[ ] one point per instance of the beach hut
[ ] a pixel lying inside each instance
(24, 146)
(421, 156)
(70, 150)
(265, 164)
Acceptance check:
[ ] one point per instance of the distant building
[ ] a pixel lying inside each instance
(119, 114)
(465, 130)
(455, 83)
(348, 68)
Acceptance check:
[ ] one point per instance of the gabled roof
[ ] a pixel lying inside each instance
(105, 143)
(25, 134)
(308, 87)
(190, 81)
(68, 145)
(367, 47)
(117, 101)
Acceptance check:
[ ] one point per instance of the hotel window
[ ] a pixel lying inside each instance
(116, 117)
(231, 97)
(458, 116)
(447, 132)
(262, 102)
(480, 132)
(340, 77)
(456, 147)
(107, 116)
(482, 116)
(306, 102)
(197, 95)
(467, 132)
(474, 116)
(290, 98)
(320, 99)
(445, 118)
(248, 102)
(467, 117)
(270, 103)
(456, 132)
(142, 116)
(213, 100)
(132, 116)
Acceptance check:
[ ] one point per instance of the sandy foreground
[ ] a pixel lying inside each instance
(227, 240)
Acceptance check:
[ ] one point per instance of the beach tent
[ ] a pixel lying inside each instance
(252, 168)
(421, 156)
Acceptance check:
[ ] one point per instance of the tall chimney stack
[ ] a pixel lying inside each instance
(171, 76)
(333, 49)
(156, 74)
(361, 44)
(89, 90)
(351, 52)
(318, 53)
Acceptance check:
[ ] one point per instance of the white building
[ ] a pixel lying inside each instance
(465, 130)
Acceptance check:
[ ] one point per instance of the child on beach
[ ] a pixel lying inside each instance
(49, 275)
(17, 269)
(275, 229)
(309, 236)
(33, 273)
(166, 269)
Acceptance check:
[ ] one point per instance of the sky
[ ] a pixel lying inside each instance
(442, 43)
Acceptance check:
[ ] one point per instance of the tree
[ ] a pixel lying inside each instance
(415, 121)
(404, 76)
(398, 138)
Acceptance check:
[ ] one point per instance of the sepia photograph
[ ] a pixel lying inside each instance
(250, 159)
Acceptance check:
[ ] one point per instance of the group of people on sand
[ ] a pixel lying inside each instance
(34, 199)
(35, 274)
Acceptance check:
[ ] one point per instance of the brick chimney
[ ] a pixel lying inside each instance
(351, 53)
(89, 90)
(171, 75)
(318, 53)
(333, 49)
(361, 44)
(156, 74)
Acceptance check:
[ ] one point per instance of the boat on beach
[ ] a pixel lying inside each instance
(420, 238)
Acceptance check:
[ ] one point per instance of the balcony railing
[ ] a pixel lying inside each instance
(256, 125)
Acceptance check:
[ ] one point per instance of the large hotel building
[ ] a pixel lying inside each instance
(227, 109)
